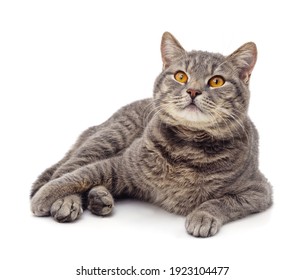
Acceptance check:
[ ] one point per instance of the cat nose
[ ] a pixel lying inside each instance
(193, 92)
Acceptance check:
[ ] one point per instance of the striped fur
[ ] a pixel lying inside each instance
(196, 157)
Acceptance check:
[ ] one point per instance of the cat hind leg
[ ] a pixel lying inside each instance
(100, 201)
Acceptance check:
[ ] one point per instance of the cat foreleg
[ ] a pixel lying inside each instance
(207, 219)
(74, 183)
(44, 178)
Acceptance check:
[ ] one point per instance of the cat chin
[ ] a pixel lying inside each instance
(193, 116)
(192, 121)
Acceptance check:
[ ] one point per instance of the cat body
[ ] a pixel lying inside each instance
(192, 149)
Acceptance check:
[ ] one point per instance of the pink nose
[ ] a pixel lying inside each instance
(193, 92)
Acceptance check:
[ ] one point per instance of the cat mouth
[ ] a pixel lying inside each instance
(191, 113)
(192, 107)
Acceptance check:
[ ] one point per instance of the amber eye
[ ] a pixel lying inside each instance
(181, 77)
(216, 81)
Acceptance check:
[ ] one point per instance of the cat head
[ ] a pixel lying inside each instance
(202, 90)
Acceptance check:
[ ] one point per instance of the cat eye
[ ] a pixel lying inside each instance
(216, 81)
(181, 77)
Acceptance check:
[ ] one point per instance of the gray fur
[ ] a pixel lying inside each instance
(196, 157)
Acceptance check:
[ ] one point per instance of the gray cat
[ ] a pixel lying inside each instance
(192, 149)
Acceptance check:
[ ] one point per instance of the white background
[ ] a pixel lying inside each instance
(67, 65)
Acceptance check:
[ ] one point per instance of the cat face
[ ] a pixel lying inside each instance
(202, 90)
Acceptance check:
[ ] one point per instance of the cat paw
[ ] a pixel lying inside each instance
(66, 209)
(40, 206)
(100, 201)
(202, 224)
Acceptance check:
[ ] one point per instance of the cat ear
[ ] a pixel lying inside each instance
(171, 49)
(244, 59)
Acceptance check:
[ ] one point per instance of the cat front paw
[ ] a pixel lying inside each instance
(67, 209)
(40, 206)
(202, 224)
(43, 199)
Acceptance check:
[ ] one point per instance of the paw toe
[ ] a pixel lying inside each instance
(39, 209)
(66, 209)
(202, 224)
(101, 201)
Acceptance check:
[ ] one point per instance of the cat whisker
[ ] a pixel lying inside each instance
(225, 121)
(237, 120)
(215, 115)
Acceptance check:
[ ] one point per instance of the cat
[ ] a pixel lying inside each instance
(190, 149)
